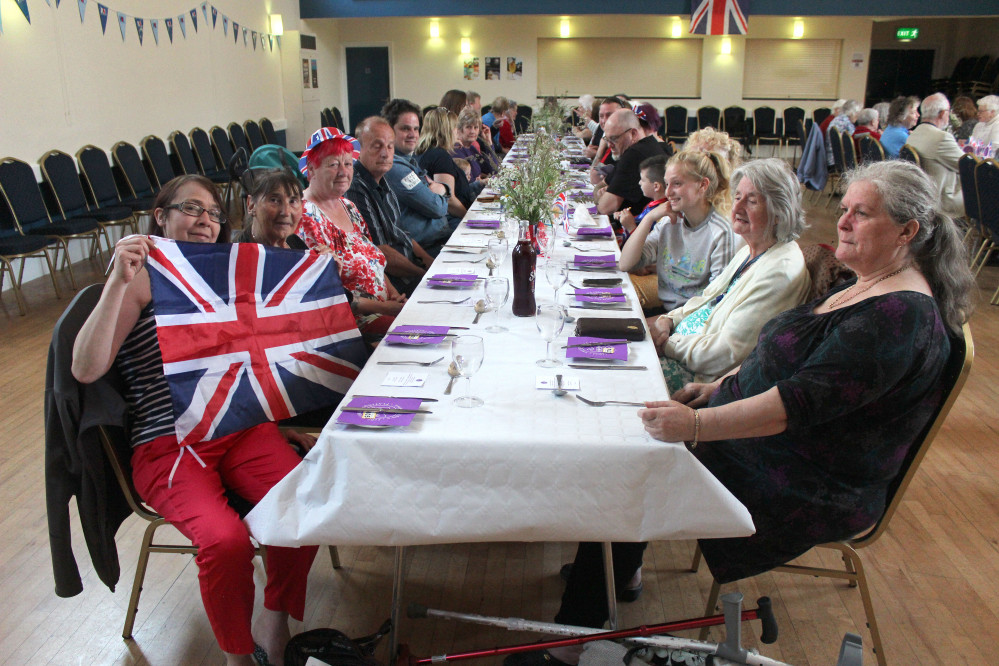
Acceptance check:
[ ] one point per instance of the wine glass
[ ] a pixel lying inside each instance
(467, 352)
(557, 274)
(550, 320)
(497, 248)
(497, 292)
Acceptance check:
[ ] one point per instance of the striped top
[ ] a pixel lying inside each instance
(141, 366)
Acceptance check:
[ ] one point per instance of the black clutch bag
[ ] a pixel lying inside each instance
(630, 328)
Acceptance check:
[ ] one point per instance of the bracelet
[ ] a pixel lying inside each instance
(697, 429)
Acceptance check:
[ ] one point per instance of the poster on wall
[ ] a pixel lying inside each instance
(471, 68)
(315, 74)
(492, 69)
(306, 78)
(514, 68)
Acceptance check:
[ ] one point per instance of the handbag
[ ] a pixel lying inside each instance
(629, 328)
(335, 648)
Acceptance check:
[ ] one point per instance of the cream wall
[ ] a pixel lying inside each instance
(423, 68)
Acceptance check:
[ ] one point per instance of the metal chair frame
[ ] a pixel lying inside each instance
(267, 128)
(910, 154)
(708, 116)
(765, 124)
(15, 280)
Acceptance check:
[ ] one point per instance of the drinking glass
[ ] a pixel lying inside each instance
(549, 240)
(498, 249)
(550, 320)
(557, 274)
(467, 352)
(497, 292)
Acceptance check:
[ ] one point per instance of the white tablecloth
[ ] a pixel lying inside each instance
(526, 466)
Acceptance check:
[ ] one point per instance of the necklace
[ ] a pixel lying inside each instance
(843, 297)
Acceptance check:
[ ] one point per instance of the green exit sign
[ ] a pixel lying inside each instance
(907, 33)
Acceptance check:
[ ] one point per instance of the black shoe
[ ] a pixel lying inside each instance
(534, 658)
(627, 595)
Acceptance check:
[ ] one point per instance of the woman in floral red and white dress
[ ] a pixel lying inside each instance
(331, 223)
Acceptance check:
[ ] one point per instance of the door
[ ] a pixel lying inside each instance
(367, 82)
(895, 72)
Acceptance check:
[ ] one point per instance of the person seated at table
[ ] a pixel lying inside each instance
(650, 121)
(630, 145)
(695, 243)
(583, 124)
(454, 101)
(811, 461)
(963, 118)
(483, 162)
(505, 125)
(903, 114)
(273, 209)
(331, 223)
(867, 125)
(835, 111)
(987, 129)
(434, 151)
(712, 333)
(710, 140)
(187, 490)
(938, 152)
(598, 150)
(844, 122)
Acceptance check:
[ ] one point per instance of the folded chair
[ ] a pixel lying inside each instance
(962, 353)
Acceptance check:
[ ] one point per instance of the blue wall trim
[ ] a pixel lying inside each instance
(380, 8)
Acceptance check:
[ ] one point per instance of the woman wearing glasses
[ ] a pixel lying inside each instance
(188, 490)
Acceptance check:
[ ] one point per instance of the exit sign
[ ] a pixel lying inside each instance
(906, 34)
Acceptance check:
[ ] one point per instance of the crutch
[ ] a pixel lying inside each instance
(731, 649)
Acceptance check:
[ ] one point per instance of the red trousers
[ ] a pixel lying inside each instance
(249, 463)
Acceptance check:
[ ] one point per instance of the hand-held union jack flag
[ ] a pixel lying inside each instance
(249, 334)
(719, 17)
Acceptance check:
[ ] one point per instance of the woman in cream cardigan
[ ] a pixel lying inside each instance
(712, 333)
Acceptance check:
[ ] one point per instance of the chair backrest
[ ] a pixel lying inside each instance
(238, 137)
(96, 170)
(338, 119)
(734, 120)
(203, 151)
(987, 186)
(765, 120)
(326, 118)
(708, 116)
(910, 154)
(126, 158)
(20, 190)
(962, 353)
(267, 128)
(871, 149)
(849, 152)
(820, 114)
(801, 131)
(836, 143)
(59, 171)
(253, 134)
(676, 121)
(966, 167)
(180, 145)
(792, 115)
(155, 153)
(223, 149)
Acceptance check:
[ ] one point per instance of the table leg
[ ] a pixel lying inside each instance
(400, 556)
(609, 581)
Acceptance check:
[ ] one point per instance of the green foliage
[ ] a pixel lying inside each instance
(528, 189)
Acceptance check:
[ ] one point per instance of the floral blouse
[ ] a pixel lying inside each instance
(362, 264)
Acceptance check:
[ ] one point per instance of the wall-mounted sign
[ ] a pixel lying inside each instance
(906, 34)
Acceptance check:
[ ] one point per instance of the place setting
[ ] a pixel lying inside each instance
(453, 281)
(381, 411)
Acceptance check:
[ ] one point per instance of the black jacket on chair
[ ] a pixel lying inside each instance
(75, 463)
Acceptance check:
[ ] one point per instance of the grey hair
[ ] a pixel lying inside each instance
(867, 116)
(907, 193)
(933, 105)
(882, 109)
(989, 103)
(851, 107)
(779, 187)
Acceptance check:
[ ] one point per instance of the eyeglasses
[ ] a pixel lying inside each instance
(617, 137)
(195, 210)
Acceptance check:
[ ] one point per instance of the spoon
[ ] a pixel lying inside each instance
(480, 309)
(566, 243)
(453, 373)
(490, 264)
(559, 391)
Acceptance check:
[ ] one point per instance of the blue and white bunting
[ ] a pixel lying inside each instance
(155, 25)
(103, 11)
(204, 11)
(183, 25)
(121, 24)
(138, 28)
(215, 16)
(169, 26)
(244, 36)
(82, 5)
(235, 32)
(253, 36)
(225, 25)
(23, 6)
(194, 19)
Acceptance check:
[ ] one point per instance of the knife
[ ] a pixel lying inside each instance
(580, 366)
(605, 343)
(599, 307)
(386, 410)
(396, 397)
(594, 269)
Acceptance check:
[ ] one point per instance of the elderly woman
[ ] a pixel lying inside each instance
(482, 158)
(987, 129)
(844, 122)
(435, 153)
(867, 125)
(273, 209)
(331, 223)
(712, 333)
(812, 429)
(187, 490)
(903, 114)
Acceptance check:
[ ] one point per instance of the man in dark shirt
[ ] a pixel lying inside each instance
(624, 134)
(406, 260)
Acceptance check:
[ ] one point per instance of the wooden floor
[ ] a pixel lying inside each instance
(935, 575)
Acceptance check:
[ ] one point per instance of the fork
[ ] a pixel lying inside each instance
(601, 403)
(448, 302)
(423, 363)
(462, 261)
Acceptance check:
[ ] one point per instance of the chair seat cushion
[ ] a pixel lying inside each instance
(14, 245)
(64, 227)
(138, 204)
(110, 214)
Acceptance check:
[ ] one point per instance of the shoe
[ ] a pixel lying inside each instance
(535, 658)
(627, 595)
(260, 655)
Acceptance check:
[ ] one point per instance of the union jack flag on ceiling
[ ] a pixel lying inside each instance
(249, 334)
(719, 17)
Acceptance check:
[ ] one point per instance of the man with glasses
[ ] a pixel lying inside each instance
(630, 147)
(598, 148)
(939, 152)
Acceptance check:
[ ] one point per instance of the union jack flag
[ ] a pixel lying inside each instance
(249, 334)
(561, 206)
(719, 17)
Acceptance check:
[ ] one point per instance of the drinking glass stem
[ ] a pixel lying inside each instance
(548, 350)
(468, 388)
